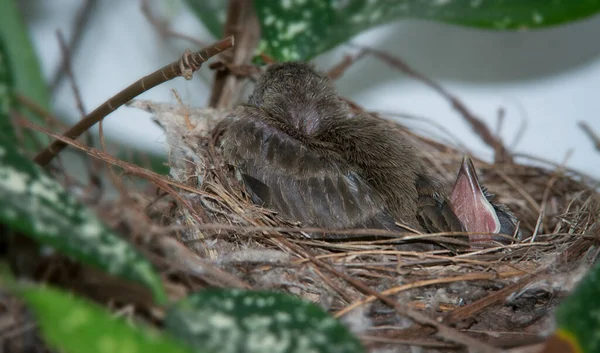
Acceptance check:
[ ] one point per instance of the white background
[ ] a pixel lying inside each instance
(545, 80)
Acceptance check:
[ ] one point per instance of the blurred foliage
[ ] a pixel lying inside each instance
(241, 321)
(302, 29)
(578, 317)
(38, 206)
(7, 96)
(74, 325)
(25, 68)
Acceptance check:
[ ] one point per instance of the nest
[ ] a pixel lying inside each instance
(504, 294)
(200, 229)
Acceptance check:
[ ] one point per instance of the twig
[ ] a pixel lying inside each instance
(243, 24)
(66, 55)
(186, 66)
(501, 154)
(93, 166)
(49, 119)
(95, 153)
(591, 134)
(193, 263)
(340, 68)
(81, 19)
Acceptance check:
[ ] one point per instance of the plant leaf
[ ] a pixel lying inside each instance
(578, 317)
(300, 30)
(38, 206)
(26, 71)
(7, 98)
(73, 325)
(231, 320)
(28, 74)
(211, 13)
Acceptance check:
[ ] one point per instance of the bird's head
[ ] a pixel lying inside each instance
(296, 94)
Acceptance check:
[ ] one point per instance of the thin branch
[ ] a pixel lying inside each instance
(242, 23)
(68, 69)
(81, 19)
(94, 166)
(186, 66)
(340, 68)
(591, 134)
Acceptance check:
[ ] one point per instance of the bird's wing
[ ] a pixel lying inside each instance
(284, 174)
(434, 210)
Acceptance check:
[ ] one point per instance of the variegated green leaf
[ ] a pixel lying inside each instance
(578, 317)
(38, 206)
(28, 78)
(7, 100)
(239, 321)
(301, 29)
(73, 325)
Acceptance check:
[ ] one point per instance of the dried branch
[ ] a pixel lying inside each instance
(93, 166)
(340, 68)
(591, 134)
(186, 66)
(243, 24)
(81, 20)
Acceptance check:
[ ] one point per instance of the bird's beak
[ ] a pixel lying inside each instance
(471, 205)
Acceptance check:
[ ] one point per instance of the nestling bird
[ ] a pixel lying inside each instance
(300, 152)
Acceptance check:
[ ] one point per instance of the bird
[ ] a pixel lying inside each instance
(298, 150)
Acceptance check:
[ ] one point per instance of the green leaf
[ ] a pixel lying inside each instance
(302, 29)
(26, 70)
(7, 98)
(211, 13)
(73, 325)
(239, 321)
(38, 206)
(578, 317)
(28, 74)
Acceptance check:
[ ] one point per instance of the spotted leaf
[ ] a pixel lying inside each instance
(72, 325)
(241, 321)
(38, 206)
(301, 29)
(578, 318)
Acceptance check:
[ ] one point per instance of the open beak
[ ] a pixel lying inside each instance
(471, 205)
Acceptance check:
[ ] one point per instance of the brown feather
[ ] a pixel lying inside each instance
(301, 153)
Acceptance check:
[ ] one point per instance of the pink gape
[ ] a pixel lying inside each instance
(471, 205)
